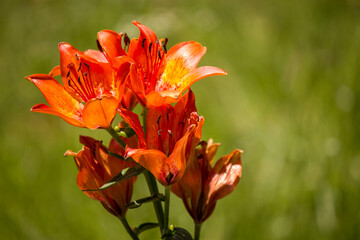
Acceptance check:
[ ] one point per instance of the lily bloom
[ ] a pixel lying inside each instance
(203, 184)
(96, 167)
(158, 77)
(91, 92)
(172, 131)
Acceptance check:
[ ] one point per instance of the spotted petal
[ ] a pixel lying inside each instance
(61, 103)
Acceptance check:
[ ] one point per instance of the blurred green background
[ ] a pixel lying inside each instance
(290, 101)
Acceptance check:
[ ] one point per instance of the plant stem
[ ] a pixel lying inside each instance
(197, 231)
(128, 228)
(151, 181)
(167, 207)
(116, 136)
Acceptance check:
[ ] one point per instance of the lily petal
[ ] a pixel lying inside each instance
(42, 108)
(145, 32)
(189, 53)
(133, 120)
(226, 175)
(110, 42)
(200, 73)
(156, 99)
(99, 113)
(96, 55)
(68, 55)
(56, 71)
(61, 103)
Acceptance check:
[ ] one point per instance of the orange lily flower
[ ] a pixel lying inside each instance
(109, 42)
(91, 92)
(158, 77)
(97, 167)
(172, 131)
(202, 185)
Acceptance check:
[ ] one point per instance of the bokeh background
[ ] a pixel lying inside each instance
(290, 101)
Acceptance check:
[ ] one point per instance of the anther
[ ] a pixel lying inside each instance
(159, 132)
(143, 43)
(85, 74)
(181, 123)
(68, 74)
(150, 45)
(79, 80)
(167, 116)
(77, 56)
(158, 120)
(87, 65)
(159, 53)
(126, 39)
(69, 83)
(170, 132)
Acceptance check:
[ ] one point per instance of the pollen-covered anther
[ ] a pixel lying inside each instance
(170, 132)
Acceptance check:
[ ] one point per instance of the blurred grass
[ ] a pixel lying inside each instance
(290, 101)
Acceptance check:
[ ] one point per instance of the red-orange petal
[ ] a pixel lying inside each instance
(200, 73)
(61, 102)
(96, 55)
(189, 53)
(133, 120)
(156, 99)
(99, 113)
(136, 84)
(110, 42)
(145, 32)
(56, 71)
(225, 176)
(153, 160)
(42, 108)
(68, 55)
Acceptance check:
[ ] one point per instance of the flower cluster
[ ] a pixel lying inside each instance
(165, 142)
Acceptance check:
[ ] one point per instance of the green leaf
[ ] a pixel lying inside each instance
(131, 172)
(139, 202)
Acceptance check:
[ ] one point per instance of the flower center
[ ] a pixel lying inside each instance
(153, 57)
(80, 82)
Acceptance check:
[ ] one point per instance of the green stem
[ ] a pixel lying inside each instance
(167, 207)
(128, 228)
(116, 136)
(197, 231)
(151, 181)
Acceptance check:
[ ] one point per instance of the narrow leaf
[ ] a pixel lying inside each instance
(139, 202)
(131, 172)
